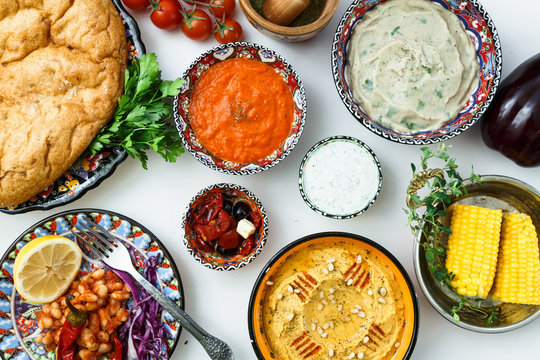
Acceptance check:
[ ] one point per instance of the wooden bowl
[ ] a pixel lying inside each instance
(289, 33)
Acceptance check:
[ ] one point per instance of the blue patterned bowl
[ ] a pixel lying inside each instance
(485, 38)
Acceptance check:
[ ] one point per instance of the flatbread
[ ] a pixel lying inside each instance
(61, 72)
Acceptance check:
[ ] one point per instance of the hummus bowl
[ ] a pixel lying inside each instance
(477, 25)
(496, 192)
(333, 294)
(243, 109)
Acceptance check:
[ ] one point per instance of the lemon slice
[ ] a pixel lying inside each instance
(45, 268)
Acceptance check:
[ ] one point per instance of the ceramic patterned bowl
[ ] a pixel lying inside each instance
(480, 28)
(209, 257)
(318, 280)
(18, 321)
(222, 53)
(89, 170)
(348, 181)
(496, 192)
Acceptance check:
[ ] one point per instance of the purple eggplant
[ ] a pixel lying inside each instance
(511, 125)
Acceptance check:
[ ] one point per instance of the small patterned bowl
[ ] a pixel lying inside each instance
(222, 53)
(213, 260)
(481, 29)
(305, 162)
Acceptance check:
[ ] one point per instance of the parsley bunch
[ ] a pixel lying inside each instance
(141, 121)
(444, 185)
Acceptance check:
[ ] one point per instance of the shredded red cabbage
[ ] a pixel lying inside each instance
(143, 332)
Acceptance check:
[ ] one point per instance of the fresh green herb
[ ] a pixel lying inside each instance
(409, 124)
(421, 104)
(395, 31)
(423, 21)
(368, 85)
(141, 121)
(438, 93)
(443, 184)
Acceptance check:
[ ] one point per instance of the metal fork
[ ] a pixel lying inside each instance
(115, 255)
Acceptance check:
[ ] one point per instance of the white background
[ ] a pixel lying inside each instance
(219, 300)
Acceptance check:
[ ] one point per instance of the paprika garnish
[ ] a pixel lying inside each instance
(70, 332)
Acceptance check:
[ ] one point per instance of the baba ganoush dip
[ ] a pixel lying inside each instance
(333, 301)
(340, 177)
(411, 65)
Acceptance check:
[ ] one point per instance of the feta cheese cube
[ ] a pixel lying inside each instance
(245, 228)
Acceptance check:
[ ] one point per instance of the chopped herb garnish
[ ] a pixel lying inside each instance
(391, 111)
(368, 85)
(420, 105)
(395, 31)
(423, 21)
(409, 124)
(438, 93)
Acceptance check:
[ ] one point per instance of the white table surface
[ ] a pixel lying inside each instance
(219, 300)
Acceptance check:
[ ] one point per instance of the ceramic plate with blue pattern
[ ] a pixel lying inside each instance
(18, 324)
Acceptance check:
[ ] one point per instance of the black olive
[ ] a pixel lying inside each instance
(228, 206)
(241, 210)
(229, 195)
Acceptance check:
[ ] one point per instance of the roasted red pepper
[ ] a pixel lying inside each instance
(209, 210)
(70, 332)
(214, 228)
(256, 218)
(117, 349)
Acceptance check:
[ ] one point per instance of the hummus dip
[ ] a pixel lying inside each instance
(411, 65)
(334, 301)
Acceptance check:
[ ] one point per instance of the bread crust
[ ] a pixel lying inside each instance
(62, 69)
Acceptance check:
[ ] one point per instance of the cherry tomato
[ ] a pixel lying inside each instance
(137, 4)
(220, 7)
(228, 31)
(197, 25)
(166, 14)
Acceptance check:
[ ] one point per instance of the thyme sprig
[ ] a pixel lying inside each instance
(443, 185)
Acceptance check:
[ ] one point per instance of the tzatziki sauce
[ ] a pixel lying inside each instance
(340, 177)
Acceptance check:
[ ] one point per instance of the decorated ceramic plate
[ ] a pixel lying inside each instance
(200, 249)
(331, 295)
(89, 170)
(18, 324)
(231, 51)
(478, 25)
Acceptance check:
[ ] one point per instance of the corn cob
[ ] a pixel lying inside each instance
(473, 247)
(518, 270)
